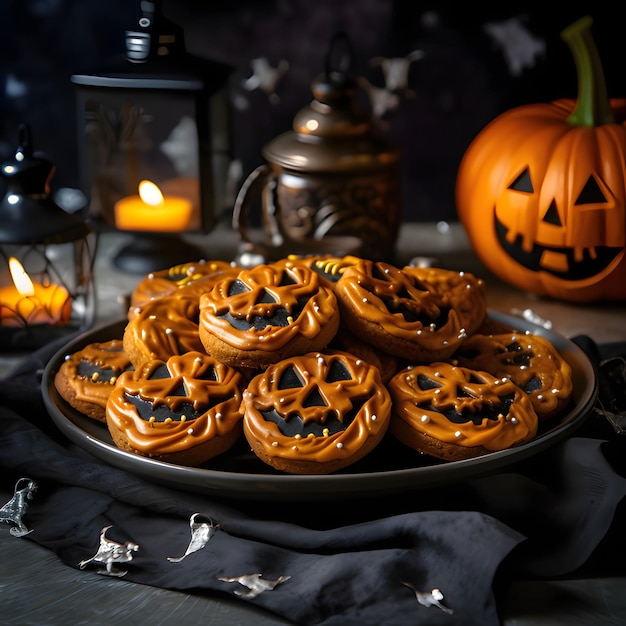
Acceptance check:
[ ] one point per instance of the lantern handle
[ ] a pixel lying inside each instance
(25, 139)
(345, 61)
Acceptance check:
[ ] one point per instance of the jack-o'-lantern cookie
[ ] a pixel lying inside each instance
(164, 327)
(184, 410)
(167, 281)
(399, 313)
(86, 377)
(530, 361)
(465, 291)
(454, 413)
(329, 267)
(266, 314)
(316, 413)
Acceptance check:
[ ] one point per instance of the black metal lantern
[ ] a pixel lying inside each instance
(46, 258)
(160, 117)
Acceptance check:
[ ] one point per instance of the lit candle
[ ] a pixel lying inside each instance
(151, 211)
(27, 304)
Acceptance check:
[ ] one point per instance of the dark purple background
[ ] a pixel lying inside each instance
(461, 83)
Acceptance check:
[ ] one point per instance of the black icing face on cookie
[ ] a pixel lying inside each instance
(313, 401)
(269, 305)
(266, 308)
(181, 389)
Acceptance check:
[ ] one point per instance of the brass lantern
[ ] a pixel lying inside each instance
(46, 259)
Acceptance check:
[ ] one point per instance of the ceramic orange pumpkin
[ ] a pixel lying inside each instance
(541, 190)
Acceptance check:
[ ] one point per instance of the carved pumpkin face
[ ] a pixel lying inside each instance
(545, 210)
(541, 192)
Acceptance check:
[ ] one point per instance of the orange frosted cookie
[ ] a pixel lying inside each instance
(454, 413)
(530, 361)
(167, 281)
(399, 313)
(184, 410)
(466, 293)
(330, 268)
(267, 313)
(316, 413)
(86, 377)
(164, 327)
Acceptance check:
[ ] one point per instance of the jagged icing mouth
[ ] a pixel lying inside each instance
(559, 261)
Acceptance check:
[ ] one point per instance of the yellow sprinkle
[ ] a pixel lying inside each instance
(325, 432)
(95, 376)
(168, 420)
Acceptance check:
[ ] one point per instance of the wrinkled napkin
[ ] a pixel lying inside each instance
(432, 556)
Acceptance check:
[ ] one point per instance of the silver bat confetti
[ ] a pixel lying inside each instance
(430, 598)
(110, 552)
(201, 533)
(12, 512)
(255, 584)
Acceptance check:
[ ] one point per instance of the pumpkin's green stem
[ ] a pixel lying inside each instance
(592, 106)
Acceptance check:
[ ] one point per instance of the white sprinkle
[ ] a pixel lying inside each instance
(218, 416)
(168, 331)
(190, 431)
(425, 419)
(555, 391)
(340, 445)
(274, 444)
(540, 397)
(374, 418)
(514, 420)
(458, 434)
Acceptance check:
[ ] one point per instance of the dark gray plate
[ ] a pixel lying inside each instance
(389, 469)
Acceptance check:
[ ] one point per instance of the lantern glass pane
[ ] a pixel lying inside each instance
(145, 135)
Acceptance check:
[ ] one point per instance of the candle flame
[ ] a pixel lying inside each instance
(21, 279)
(150, 193)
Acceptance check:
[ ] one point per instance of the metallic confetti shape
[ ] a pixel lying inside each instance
(12, 512)
(201, 533)
(110, 552)
(255, 584)
(430, 598)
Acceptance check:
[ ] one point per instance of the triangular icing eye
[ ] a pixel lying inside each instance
(461, 393)
(237, 287)
(290, 379)
(523, 183)
(209, 374)
(286, 279)
(425, 383)
(337, 371)
(266, 297)
(179, 391)
(314, 399)
(591, 193)
(552, 215)
(160, 372)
